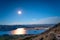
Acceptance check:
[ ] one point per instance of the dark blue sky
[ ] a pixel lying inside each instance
(32, 10)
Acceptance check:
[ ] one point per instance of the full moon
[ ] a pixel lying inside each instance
(19, 12)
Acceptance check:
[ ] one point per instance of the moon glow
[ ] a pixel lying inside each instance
(19, 12)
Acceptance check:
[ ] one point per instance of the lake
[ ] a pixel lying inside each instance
(19, 31)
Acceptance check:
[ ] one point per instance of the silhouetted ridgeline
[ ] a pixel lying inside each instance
(13, 27)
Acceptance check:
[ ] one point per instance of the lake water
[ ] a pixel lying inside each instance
(21, 31)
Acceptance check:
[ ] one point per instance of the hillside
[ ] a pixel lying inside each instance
(51, 34)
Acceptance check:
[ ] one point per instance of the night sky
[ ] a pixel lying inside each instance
(32, 11)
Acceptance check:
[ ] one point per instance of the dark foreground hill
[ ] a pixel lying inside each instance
(51, 34)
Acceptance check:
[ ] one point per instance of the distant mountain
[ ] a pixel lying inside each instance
(51, 34)
(13, 27)
(9, 27)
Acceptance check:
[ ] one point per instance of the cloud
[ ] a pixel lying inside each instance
(34, 19)
(49, 20)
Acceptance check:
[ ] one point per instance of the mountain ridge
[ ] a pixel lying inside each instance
(13, 27)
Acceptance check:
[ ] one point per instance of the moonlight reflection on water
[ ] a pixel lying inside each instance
(18, 31)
